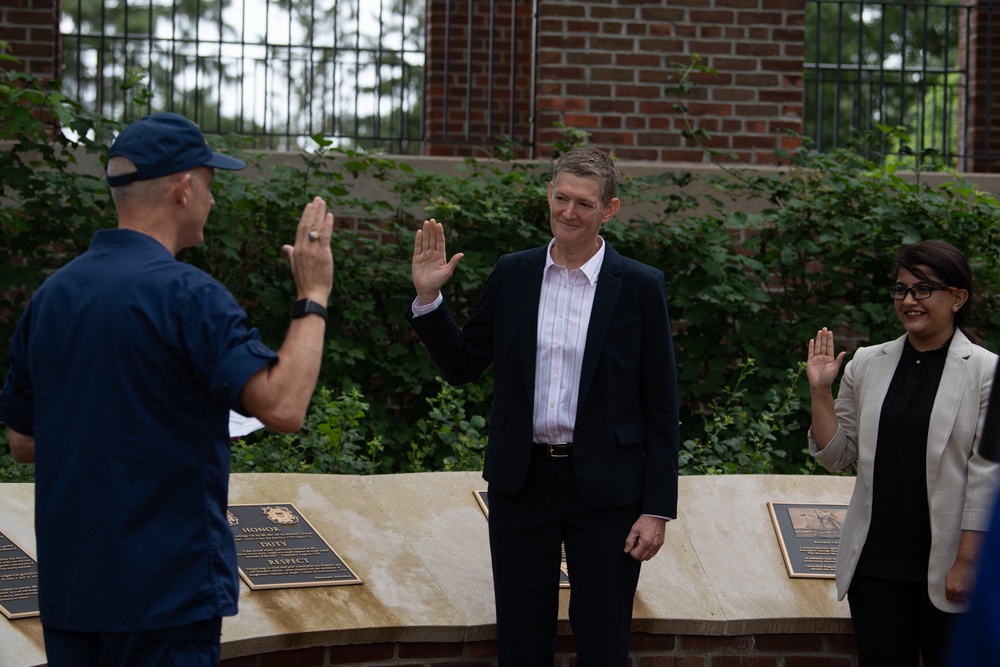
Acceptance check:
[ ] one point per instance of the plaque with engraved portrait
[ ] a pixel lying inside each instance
(484, 504)
(809, 536)
(276, 547)
(18, 581)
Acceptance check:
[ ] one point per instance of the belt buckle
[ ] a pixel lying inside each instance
(550, 450)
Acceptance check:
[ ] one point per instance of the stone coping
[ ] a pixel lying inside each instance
(419, 544)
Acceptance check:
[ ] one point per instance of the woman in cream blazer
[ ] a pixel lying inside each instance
(935, 408)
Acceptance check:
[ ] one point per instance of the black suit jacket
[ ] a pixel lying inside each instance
(626, 434)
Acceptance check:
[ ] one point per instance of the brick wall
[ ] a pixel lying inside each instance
(478, 74)
(602, 67)
(984, 95)
(648, 650)
(32, 29)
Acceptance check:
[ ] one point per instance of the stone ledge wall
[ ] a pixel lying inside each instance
(648, 650)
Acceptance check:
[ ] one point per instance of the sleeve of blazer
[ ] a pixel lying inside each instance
(982, 474)
(842, 450)
(658, 379)
(461, 354)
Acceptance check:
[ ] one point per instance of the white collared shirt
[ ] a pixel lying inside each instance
(564, 308)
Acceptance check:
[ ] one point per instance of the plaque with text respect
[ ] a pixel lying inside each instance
(809, 537)
(18, 581)
(484, 504)
(277, 548)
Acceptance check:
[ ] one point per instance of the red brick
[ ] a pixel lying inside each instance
(612, 106)
(588, 89)
(609, 11)
(586, 26)
(795, 661)
(589, 58)
(636, 153)
(612, 43)
(581, 119)
(11, 33)
(476, 649)
(612, 138)
(743, 661)
(561, 104)
(639, 92)
(303, 657)
(638, 60)
(644, 641)
(839, 643)
(662, 14)
(714, 643)
(430, 649)
(245, 661)
(672, 661)
(698, 17)
(345, 655)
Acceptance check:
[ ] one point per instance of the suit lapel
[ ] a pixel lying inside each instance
(530, 285)
(946, 402)
(609, 286)
(881, 372)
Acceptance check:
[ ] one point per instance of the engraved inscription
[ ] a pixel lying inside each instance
(809, 537)
(18, 581)
(277, 548)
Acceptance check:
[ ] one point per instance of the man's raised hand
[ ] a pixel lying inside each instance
(431, 267)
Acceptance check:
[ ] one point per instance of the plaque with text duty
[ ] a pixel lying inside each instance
(18, 581)
(484, 504)
(809, 536)
(277, 548)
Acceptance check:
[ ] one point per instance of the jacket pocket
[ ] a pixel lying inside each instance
(631, 434)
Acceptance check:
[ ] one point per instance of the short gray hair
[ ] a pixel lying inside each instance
(590, 163)
(135, 190)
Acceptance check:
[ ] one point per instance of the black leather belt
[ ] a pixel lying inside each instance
(554, 450)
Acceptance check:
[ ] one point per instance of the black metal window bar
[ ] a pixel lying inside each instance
(350, 71)
(895, 65)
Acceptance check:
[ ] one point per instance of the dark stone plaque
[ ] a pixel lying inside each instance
(484, 503)
(277, 548)
(809, 536)
(18, 581)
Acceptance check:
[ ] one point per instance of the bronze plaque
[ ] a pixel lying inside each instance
(277, 548)
(18, 581)
(809, 536)
(483, 499)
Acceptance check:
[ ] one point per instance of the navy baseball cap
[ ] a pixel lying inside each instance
(162, 144)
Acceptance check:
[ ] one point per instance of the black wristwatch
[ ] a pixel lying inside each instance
(304, 307)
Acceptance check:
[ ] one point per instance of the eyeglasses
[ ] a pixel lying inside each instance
(918, 292)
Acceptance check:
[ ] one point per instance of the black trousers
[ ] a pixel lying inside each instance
(896, 624)
(193, 645)
(526, 533)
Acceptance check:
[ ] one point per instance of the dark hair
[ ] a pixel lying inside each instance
(949, 266)
(590, 163)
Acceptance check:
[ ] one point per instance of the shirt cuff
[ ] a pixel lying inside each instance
(419, 310)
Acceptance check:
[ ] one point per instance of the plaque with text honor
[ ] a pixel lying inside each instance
(809, 537)
(18, 581)
(484, 504)
(277, 548)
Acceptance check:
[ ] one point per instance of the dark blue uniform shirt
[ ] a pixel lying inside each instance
(124, 368)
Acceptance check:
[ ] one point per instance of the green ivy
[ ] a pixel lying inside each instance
(746, 289)
(331, 441)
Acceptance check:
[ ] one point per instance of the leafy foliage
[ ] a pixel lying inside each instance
(331, 441)
(756, 262)
(737, 440)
